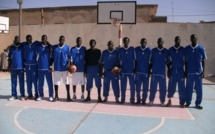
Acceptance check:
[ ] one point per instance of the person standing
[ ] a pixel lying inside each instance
(158, 61)
(127, 60)
(30, 55)
(109, 60)
(44, 67)
(16, 66)
(61, 58)
(142, 70)
(93, 69)
(176, 72)
(195, 67)
(4, 61)
(77, 58)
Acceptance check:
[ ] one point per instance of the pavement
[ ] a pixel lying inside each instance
(62, 117)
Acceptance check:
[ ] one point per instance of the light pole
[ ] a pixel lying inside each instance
(20, 16)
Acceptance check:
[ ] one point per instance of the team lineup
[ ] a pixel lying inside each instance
(143, 67)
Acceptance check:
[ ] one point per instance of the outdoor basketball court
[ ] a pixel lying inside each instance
(63, 117)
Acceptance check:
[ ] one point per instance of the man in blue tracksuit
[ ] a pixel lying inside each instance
(16, 66)
(109, 60)
(30, 56)
(176, 72)
(44, 69)
(195, 61)
(159, 59)
(126, 55)
(142, 53)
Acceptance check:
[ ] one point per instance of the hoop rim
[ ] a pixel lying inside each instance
(115, 21)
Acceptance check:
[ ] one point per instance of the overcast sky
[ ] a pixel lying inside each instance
(175, 10)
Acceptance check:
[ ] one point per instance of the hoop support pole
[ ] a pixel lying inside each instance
(120, 35)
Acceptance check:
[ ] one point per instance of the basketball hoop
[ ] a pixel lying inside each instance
(115, 22)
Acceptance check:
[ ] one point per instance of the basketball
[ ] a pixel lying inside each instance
(115, 70)
(72, 69)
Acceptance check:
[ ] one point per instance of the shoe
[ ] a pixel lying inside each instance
(82, 97)
(138, 102)
(39, 98)
(105, 99)
(22, 98)
(99, 99)
(35, 97)
(132, 102)
(12, 98)
(122, 101)
(150, 103)
(87, 99)
(29, 97)
(143, 103)
(187, 105)
(56, 99)
(74, 98)
(51, 99)
(117, 100)
(162, 104)
(169, 103)
(199, 107)
(182, 106)
(68, 99)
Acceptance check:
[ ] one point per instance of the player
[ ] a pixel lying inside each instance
(61, 58)
(16, 66)
(176, 72)
(77, 58)
(44, 67)
(158, 61)
(30, 55)
(93, 69)
(195, 67)
(142, 70)
(109, 60)
(127, 59)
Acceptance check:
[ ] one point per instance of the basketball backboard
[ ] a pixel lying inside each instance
(4, 24)
(124, 10)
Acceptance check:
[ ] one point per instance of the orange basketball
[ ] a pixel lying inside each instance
(115, 70)
(72, 69)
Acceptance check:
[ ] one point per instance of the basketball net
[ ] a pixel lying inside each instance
(117, 23)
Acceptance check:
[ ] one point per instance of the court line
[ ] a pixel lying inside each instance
(157, 127)
(17, 123)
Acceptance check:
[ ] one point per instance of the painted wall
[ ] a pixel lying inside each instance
(103, 33)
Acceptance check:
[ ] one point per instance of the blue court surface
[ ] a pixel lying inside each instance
(62, 117)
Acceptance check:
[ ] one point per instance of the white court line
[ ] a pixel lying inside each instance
(190, 114)
(157, 127)
(17, 123)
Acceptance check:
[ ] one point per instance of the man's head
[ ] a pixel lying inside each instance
(160, 42)
(193, 39)
(143, 42)
(110, 45)
(44, 39)
(78, 41)
(16, 40)
(126, 42)
(177, 41)
(29, 38)
(92, 43)
(61, 40)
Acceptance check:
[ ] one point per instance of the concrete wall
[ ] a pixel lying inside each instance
(103, 33)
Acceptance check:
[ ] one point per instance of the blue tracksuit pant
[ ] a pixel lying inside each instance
(20, 74)
(177, 78)
(93, 73)
(155, 80)
(114, 79)
(191, 80)
(142, 79)
(31, 78)
(124, 78)
(48, 75)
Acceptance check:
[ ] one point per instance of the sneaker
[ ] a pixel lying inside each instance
(105, 99)
(56, 99)
(122, 101)
(182, 106)
(35, 97)
(99, 99)
(199, 107)
(132, 102)
(82, 97)
(51, 99)
(39, 98)
(22, 98)
(117, 100)
(162, 104)
(169, 103)
(151, 103)
(29, 97)
(12, 98)
(138, 102)
(187, 105)
(87, 99)
(143, 103)
(74, 98)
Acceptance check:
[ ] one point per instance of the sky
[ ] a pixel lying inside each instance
(176, 10)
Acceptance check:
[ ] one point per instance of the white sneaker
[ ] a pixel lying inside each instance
(82, 97)
(22, 98)
(151, 103)
(74, 98)
(51, 99)
(162, 104)
(39, 98)
(12, 98)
